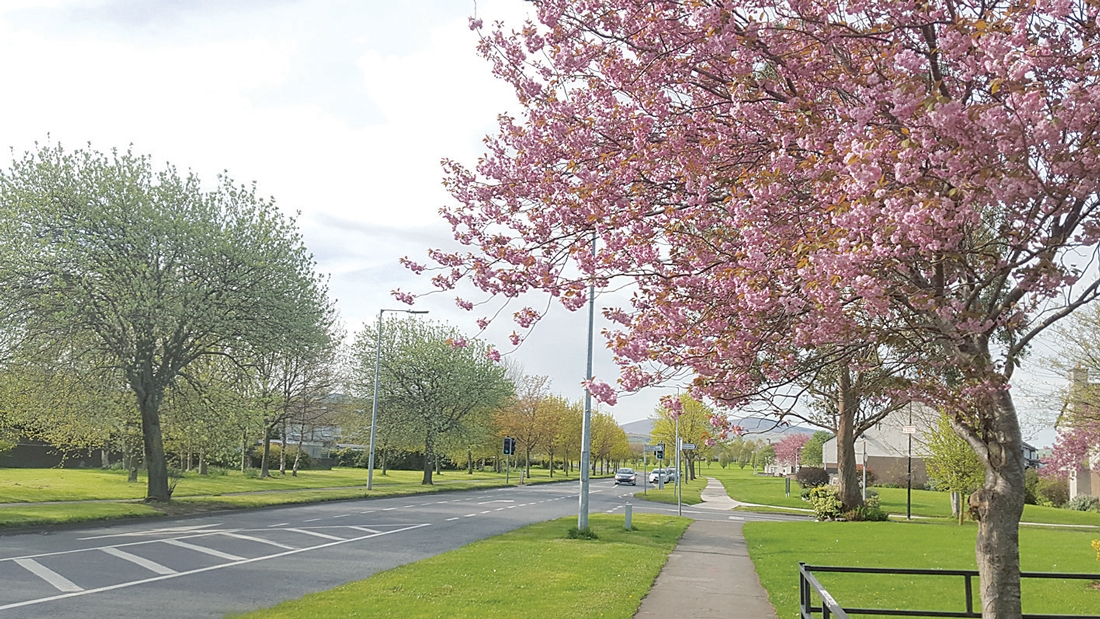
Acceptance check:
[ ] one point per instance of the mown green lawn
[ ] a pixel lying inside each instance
(690, 495)
(534, 571)
(776, 549)
(203, 493)
(765, 490)
(38, 485)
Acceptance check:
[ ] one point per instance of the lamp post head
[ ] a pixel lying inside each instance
(416, 311)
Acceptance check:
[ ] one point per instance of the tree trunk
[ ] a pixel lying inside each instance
(846, 407)
(202, 463)
(156, 466)
(282, 451)
(427, 461)
(298, 453)
(551, 454)
(104, 459)
(265, 470)
(244, 451)
(527, 461)
(997, 507)
(384, 452)
(470, 461)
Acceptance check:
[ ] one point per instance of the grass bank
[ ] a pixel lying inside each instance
(534, 571)
(76, 495)
(691, 493)
(776, 549)
(742, 485)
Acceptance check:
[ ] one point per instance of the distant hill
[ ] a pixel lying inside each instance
(755, 427)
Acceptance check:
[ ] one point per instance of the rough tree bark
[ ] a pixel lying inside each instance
(428, 452)
(850, 494)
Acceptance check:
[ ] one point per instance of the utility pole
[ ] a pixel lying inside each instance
(586, 426)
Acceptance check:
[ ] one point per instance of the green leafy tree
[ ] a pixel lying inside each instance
(695, 429)
(950, 460)
(811, 451)
(151, 268)
(433, 383)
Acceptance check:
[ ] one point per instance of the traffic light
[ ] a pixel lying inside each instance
(509, 446)
(659, 453)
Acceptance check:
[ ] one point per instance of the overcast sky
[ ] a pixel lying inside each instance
(341, 110)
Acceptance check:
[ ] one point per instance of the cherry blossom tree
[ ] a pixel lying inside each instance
(778, 179)
(788, 451)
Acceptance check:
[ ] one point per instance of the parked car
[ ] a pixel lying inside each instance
(626, 476)
(657, 476)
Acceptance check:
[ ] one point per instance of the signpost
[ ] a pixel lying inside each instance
(509, 449)
(909, 431)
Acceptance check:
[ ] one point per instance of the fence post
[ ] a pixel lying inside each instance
(969, 595)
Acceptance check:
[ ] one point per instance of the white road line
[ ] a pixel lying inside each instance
(498, 509)
(364, 529)
(389, 509)
(204, 550)
(438, 502)
(280, 524)
(736, 518)
(369, 511)
(258, 539)
(450, 519)
(469, 515)
(201, 569)
(311, 520)
(315, 533)
(57, 580)
(152, 566)
(408, 506)
(487, 511)
(154, 531)
(342, 516)
(512, 506)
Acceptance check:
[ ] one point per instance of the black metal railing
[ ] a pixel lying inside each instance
(808, 585)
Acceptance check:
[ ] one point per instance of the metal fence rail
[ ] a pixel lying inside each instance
(808, 585)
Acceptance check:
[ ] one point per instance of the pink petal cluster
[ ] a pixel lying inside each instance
(602, 391)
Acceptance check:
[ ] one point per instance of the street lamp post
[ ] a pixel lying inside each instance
(374, 407)
(586, 423)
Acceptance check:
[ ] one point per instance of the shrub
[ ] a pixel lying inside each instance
(865, 513)
(812, 477)
(575, 533)
(1096, 547)
(252, 473)
(1083, 503)
(826, 502)
(1053, 492)
(1031, 487)
(872, 500)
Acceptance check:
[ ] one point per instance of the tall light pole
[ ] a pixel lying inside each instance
(374, 407)
(586, 426)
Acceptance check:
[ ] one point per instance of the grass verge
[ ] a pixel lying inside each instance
(35, 515)
(743, 486)
(691, 493)
(776, 549)
(534, 571)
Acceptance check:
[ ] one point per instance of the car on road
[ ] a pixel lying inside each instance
(657, 476)
(626, 476)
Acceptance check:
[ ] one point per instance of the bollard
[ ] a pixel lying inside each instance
(629, 511)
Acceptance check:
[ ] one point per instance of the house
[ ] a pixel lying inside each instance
(1084, 479)
(886, 447)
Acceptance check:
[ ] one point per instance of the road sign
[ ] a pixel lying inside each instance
(687, 446)
(909, 429)
(651, 448)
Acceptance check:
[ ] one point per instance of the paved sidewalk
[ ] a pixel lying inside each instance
(709, 575)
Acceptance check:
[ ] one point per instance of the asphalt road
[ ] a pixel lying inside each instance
(239, 561)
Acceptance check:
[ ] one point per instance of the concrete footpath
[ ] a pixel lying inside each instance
(709, 575)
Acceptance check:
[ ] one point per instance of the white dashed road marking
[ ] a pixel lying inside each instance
(450, 519)
(57, 580)
(203, 549)
(257, 539)
(316, 534)
(363, 529)
(311, 520)
(280, 524)
(152, 566)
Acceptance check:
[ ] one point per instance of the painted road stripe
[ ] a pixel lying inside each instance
(57, 580)
(450, 519)
(315, 534)
(469, 515)
(152, 566)
(311, 520)
(204, 550)
(363, 529)
(279, 524)
(258, 539)
(342, 516)
(201, 570)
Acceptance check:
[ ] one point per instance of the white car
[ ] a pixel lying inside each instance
(657, 476)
